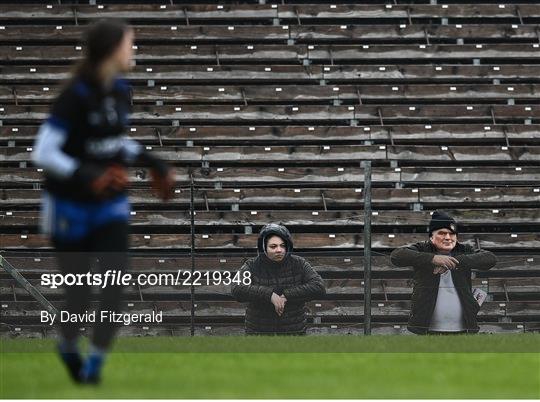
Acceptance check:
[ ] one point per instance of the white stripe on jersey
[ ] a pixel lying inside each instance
(48, 153)
(132, 149)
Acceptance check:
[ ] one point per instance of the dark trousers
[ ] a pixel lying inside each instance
(109, 246)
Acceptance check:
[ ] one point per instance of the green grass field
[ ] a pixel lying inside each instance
(478, 366)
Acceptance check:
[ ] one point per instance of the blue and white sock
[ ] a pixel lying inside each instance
(91, 369)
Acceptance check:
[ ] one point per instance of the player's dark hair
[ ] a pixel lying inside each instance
(100, 41)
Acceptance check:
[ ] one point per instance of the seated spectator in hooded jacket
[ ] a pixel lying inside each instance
(442, 299)
(281, 284)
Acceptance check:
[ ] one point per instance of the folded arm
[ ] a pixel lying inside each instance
(251, 293)
(411, 256)
(311, 288)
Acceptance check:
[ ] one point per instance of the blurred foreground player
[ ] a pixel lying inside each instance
(84, 153)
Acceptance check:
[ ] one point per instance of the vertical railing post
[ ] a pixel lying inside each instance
(192, 253)
(367, 247)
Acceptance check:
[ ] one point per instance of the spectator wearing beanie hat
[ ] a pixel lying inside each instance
(442, 299)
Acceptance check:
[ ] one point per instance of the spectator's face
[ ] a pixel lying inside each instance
(444, 239)
(276, 248)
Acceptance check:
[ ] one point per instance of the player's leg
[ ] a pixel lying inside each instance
(67, 225)
(72, 261)
(111, 244)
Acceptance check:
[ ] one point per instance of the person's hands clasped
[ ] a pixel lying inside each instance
(278, 302)
(439, 270)
(443, 263)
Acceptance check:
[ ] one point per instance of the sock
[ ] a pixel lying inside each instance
(70, 355)
(91, 369)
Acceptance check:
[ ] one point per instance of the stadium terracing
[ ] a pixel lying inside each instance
(267, 111)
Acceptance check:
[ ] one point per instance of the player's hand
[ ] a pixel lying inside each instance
(278, 302)
(113, 179)
(163, 183)
(445, 261)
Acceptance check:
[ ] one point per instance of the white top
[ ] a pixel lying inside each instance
(448, 313)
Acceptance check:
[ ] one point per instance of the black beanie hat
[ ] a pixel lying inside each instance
(441, 220)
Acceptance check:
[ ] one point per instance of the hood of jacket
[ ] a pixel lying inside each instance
(273, 229)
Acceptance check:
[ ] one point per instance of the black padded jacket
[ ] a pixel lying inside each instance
(426, 284)
(293, 277)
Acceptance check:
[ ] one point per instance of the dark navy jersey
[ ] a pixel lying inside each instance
(94, 119)
(86, 127)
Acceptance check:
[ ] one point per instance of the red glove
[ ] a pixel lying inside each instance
(112, 179)
(163, 184)
(163, 178)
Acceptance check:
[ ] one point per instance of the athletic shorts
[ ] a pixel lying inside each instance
(67, 220)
